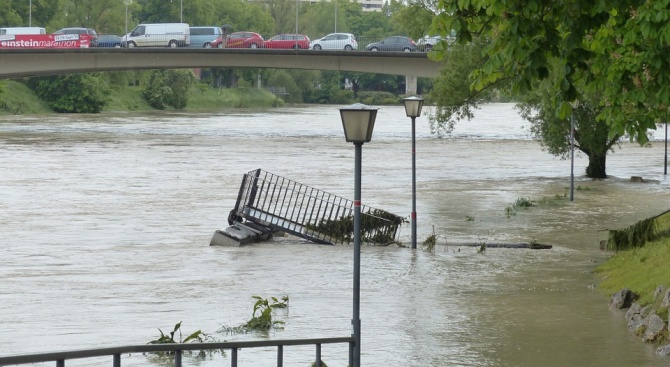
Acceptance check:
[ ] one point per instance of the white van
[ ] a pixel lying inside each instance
(22, 30)
(159, 35)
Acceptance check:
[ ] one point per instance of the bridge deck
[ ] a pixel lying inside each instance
(33, 62)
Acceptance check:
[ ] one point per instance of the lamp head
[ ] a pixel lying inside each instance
(413, 106)
(358, 121)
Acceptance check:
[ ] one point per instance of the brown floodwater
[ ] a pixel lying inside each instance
(105, 222)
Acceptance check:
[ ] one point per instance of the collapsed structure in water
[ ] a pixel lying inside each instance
(267, 204)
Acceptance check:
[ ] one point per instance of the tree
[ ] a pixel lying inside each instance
(283, 12)
(592, 137)
(415, 18)
(73, 93)
(610, 46)
(168, 88)
(103, 16)
(455, 100)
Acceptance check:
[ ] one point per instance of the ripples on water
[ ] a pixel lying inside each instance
(106, 222)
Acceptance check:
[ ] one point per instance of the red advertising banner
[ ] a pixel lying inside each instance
(45, 41)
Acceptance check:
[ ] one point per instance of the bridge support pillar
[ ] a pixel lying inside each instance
(410, 85)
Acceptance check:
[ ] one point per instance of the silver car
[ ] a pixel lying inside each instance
(335, 41)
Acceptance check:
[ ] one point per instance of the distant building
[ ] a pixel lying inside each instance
(367, 5)
(371, 5)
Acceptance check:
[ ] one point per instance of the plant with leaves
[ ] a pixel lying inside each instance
(196, 336)
(456, 100)
(261, 318)
(167, 358)
(73, 93)
(168, 88)
(611, 47)
(592, 137)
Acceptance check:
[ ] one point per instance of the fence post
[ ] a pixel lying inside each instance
(280, 356)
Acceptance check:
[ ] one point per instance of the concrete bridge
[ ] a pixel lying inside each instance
(16, 63)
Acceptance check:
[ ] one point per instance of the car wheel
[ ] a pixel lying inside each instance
(348, 47)
(316, 47)
(131, 44)
(172, 44)
(220, 45)
(253, 45)
(374, 49)
(118, 45)
(428, 47)
(207, 45)
(407, 49)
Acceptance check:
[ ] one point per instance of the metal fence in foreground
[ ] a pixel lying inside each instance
(177, 350)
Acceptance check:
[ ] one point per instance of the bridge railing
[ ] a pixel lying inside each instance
(177, 350)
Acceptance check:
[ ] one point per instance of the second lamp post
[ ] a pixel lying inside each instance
(358, 121)
(413, 107)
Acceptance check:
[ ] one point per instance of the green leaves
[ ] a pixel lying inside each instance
(610, 48)
(74, 93)
(168, 88)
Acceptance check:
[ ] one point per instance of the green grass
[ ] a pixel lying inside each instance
(127, 99)
(18, 99)
(215, 99)
(640, 269)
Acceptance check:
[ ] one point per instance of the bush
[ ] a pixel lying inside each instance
(168, 88)
(73, 93)
(377, 98)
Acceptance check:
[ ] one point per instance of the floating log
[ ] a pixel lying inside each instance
(532, 246)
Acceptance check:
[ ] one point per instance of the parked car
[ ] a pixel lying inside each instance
(80, 30)
(110, 40)
(426, 43)
(394, 43)
(240, 40)
(335, 41)
(203, 37)
(296, 41)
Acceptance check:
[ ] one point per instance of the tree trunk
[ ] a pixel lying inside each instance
(596, 167)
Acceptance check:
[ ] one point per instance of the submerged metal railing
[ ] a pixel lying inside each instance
(286, 205)
(115, 352)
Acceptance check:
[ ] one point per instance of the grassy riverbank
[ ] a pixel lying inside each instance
(641, 270)
(19, 99)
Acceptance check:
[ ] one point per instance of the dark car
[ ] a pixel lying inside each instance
(240, 40)
(81, 30)
(284, 41)
(110, 40)
(395, 43)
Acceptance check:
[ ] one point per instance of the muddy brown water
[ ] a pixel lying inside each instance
(105, 222)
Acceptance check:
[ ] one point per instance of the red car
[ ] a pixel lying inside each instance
(240, 40)
(296, 41)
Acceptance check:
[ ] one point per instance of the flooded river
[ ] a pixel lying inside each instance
(105, 223)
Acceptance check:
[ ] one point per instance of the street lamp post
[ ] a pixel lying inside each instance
(358, 121)
(30, 13)
(335, 15)
(126, 2)
(181, 11)
(575, 106)
(413, 107)
(665, 169)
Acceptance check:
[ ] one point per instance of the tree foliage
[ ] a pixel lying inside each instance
(74, 93)
(168, 88)
(610, 46)
(591, 136)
